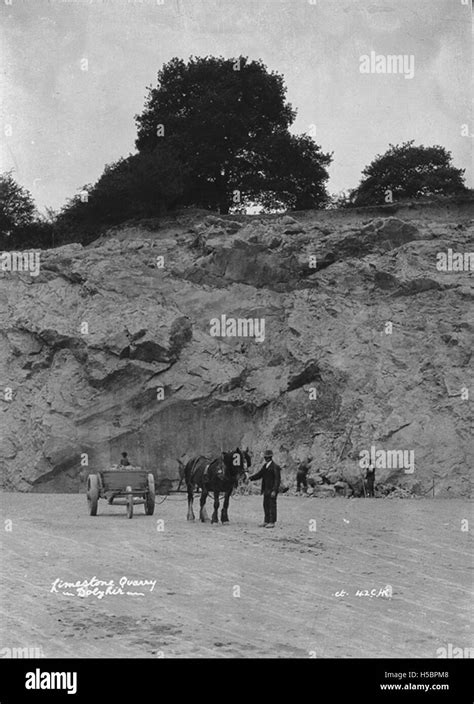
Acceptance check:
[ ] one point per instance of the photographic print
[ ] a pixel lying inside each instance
(236, 307)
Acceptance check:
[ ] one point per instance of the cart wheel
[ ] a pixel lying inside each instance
(129, 503)
(150, 497)
(92, 493)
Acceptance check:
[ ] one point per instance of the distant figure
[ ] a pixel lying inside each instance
(302, 471)
(124, 462)
(270, 476)
(370, 479)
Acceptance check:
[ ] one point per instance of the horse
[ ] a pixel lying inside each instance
(213, 477)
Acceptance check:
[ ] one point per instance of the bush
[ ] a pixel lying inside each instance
(409, 172)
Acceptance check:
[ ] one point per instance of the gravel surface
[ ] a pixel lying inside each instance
(237, 590)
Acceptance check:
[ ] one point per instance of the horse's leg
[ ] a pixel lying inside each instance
(224, 514)
(190, 502)
(215, 517)
(203, 513)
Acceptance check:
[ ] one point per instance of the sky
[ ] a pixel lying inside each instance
(74, 73)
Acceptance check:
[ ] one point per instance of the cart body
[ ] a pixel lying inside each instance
(128, 487)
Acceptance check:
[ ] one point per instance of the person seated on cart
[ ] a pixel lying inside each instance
(125, 462)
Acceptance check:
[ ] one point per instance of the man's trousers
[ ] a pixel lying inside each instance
(269, 508)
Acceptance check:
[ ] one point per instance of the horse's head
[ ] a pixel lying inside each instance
(234, 463)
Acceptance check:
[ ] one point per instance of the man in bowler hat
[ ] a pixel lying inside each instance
(270, 476)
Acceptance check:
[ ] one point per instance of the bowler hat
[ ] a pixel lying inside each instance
(268, 453)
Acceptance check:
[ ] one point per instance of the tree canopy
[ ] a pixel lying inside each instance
(227, 120)
(138, 186)
(408, 171)
(20, 224)
(17, 208)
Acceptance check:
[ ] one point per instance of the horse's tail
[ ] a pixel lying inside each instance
(181, 469)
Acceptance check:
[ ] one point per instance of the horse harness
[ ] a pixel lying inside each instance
(194, 465)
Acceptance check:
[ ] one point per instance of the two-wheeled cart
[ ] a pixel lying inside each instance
(126, 487)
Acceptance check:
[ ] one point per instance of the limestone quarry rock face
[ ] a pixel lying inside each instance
(363, 343)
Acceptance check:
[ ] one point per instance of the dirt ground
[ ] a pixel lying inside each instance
(238, 590)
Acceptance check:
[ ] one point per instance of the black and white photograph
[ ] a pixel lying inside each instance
(236, 337)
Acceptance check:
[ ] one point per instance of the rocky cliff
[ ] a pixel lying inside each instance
(366, 344)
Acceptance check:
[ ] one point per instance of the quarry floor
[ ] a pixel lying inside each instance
(238, 590)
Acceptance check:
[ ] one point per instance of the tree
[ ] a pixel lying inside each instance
(227, 119)
(21, 226)
(139, 186)
(408, 172)
(17, 208)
